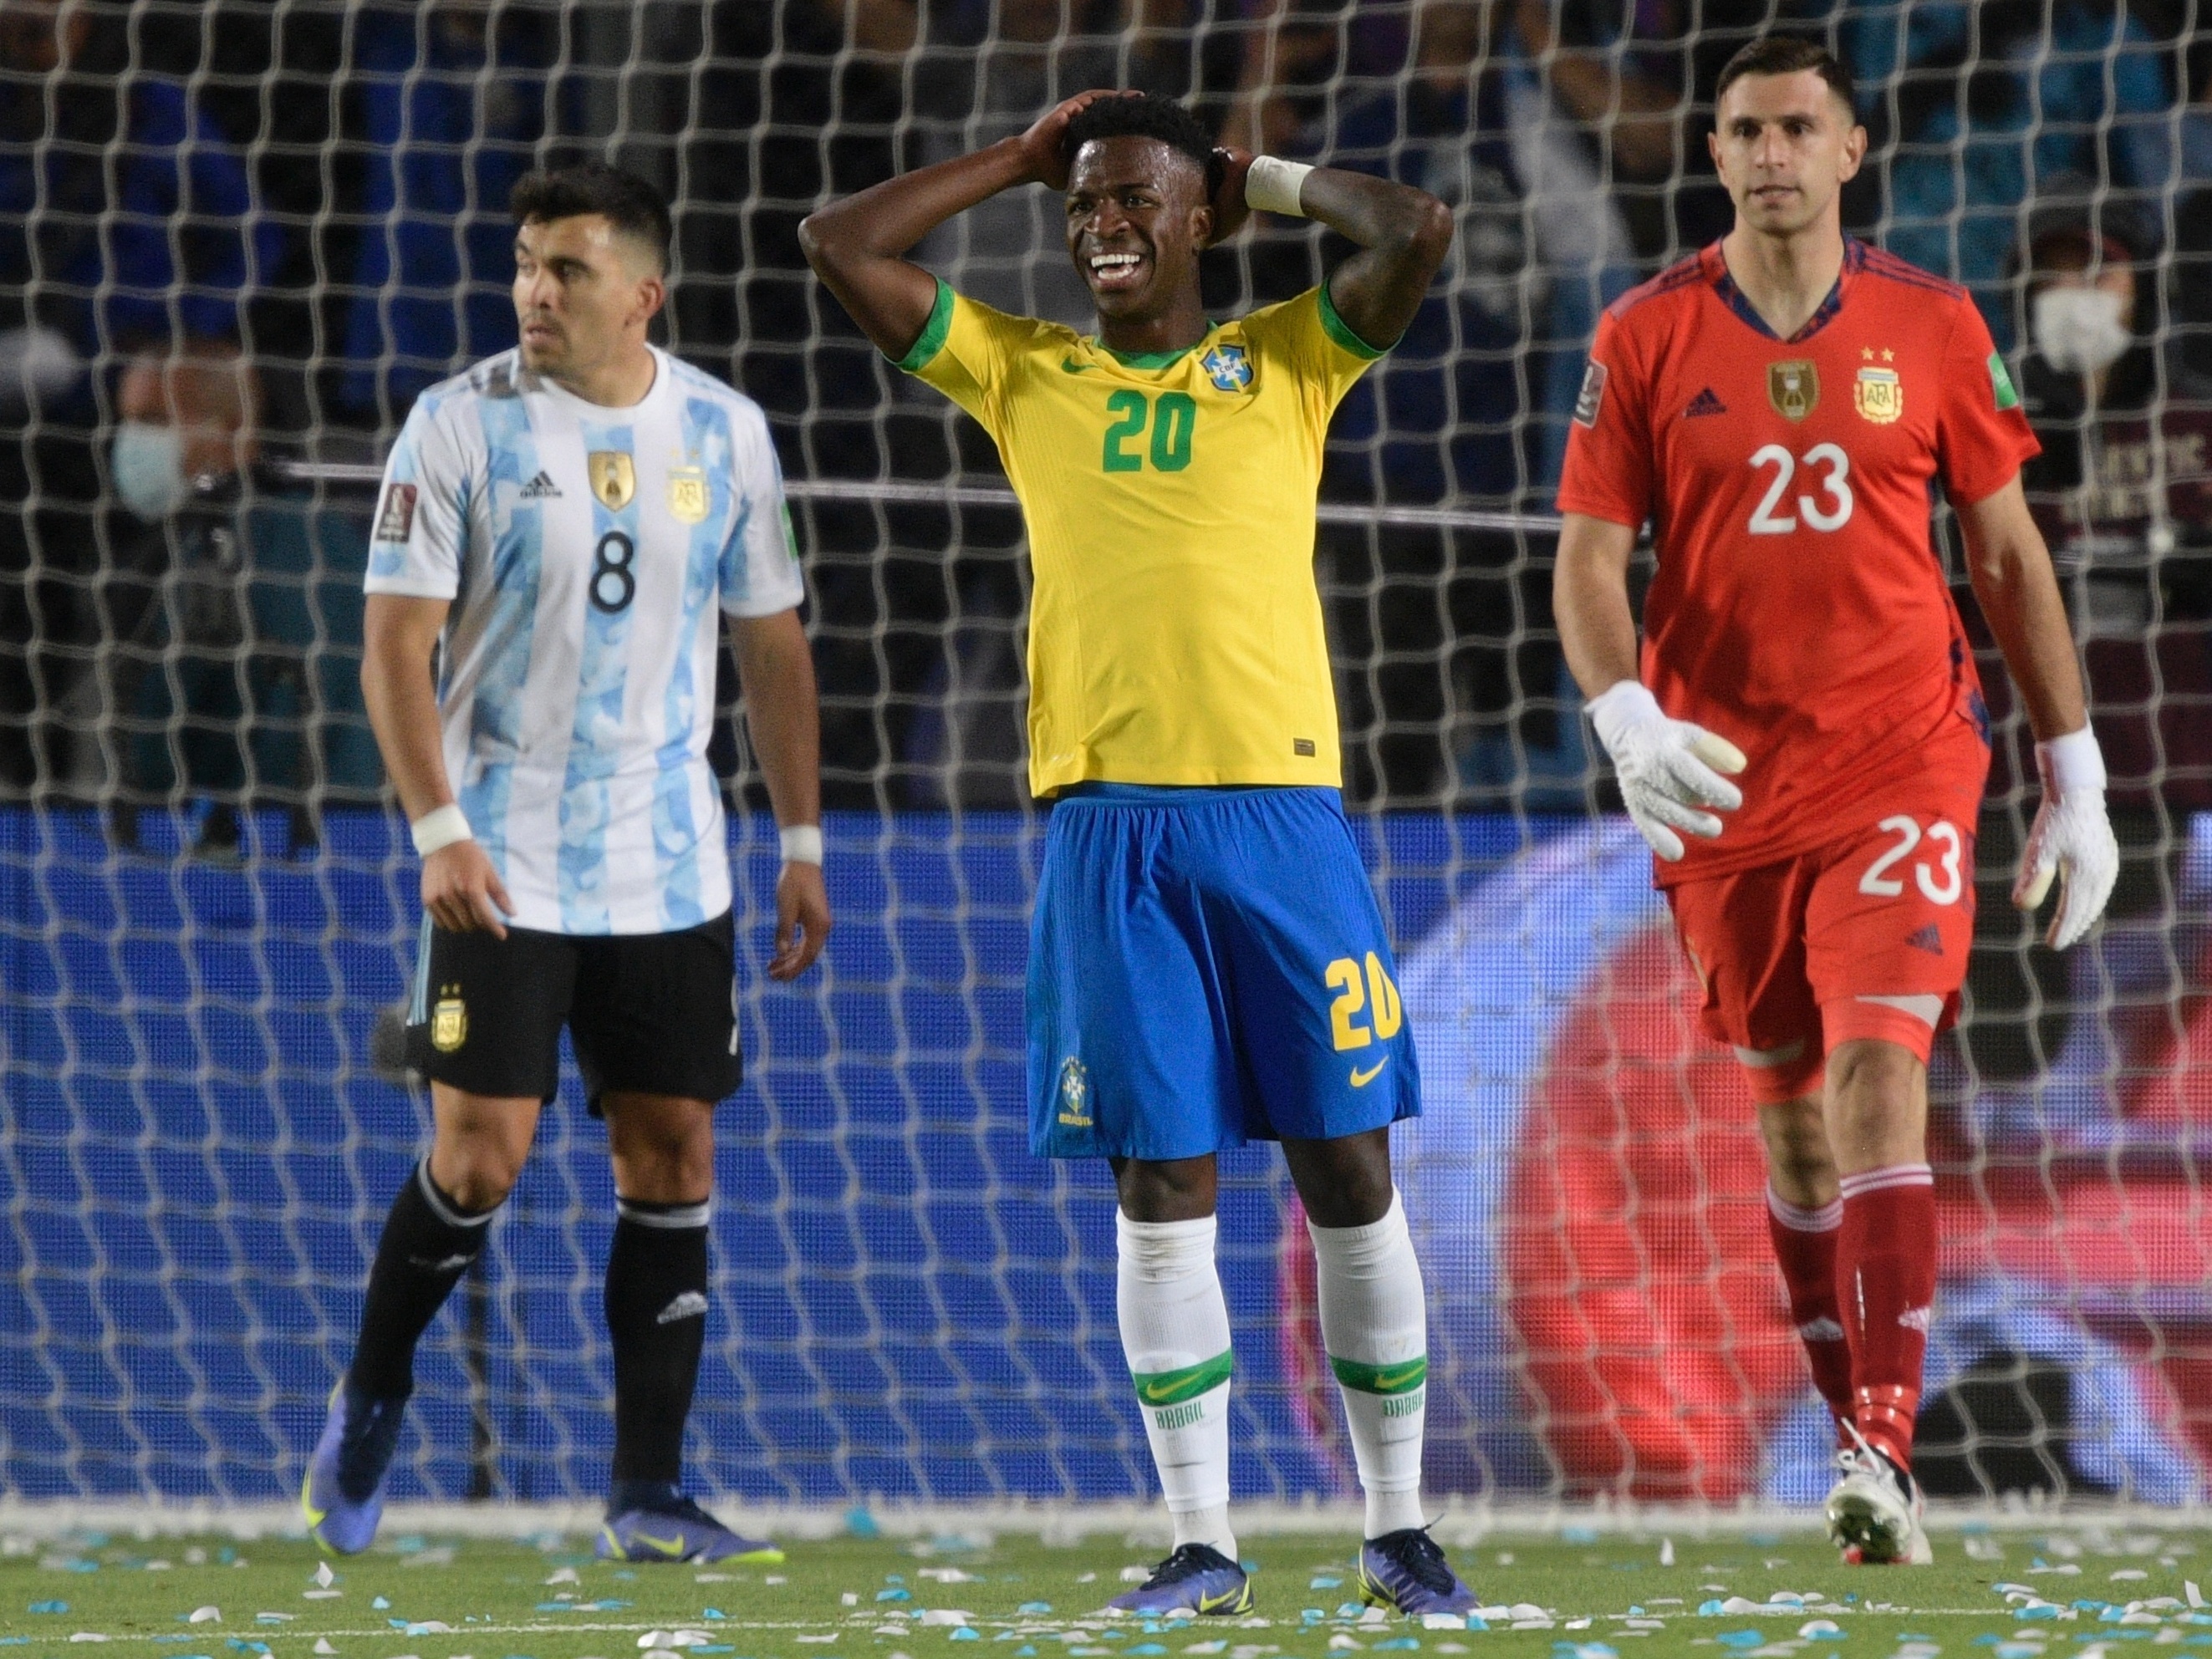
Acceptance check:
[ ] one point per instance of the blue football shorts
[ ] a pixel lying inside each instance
(1207, 967)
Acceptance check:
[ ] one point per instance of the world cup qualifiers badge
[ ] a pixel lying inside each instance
(1228, 368)
(1074, 1094)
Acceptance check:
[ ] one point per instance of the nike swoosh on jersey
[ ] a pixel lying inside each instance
(1360, 1079)
(1069, 365)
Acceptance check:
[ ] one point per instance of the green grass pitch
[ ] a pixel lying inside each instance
(2073, 1590)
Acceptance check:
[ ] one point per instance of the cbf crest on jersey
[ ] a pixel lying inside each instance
(1074, 1094)
(614, 477)
(1879, 395)
(687, 494)
(1228, 367)
(1794, 388)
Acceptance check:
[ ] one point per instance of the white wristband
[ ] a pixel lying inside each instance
(1271, 184)
(802, 844)
(439, 828)
(1621, 705)
(2071, 764)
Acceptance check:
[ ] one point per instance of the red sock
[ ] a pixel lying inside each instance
(1805, 1249)
(1886, 1277)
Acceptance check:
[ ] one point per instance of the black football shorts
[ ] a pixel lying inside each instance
(653, 1014)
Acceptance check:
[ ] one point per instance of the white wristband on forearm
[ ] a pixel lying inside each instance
(2071, 764)
(802, 844)
(1272, 186)
(440, 828)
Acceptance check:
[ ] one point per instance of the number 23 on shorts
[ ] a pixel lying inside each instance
(1936, 872)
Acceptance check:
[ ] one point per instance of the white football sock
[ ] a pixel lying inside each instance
(1175, 1334)
(1374, 1322)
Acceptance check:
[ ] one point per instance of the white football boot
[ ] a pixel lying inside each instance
(1874, 1510)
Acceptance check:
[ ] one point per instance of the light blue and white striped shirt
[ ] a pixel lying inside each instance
(587, 551)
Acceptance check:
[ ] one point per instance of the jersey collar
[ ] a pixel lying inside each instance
(564, 398)
(1152, 359)
(1716, 273)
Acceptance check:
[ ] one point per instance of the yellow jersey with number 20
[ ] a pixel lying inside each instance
(1175, 631)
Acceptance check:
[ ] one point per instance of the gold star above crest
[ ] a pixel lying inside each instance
(1867, 352)
(1888, 355)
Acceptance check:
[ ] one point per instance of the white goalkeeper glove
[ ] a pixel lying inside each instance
(2072, 838)
(1669, 768)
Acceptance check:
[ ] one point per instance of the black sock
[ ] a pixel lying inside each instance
(429, 1242)
(657, 1316)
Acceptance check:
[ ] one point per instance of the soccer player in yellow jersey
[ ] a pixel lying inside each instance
(1207, 965)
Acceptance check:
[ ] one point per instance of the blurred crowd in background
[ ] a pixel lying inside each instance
(237, 238)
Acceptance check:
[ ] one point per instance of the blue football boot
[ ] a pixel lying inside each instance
(342, 1497)
(1406, 1570)
(1197, 1578)
(678, 1529)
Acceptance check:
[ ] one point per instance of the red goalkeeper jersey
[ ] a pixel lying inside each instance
(1800, 607)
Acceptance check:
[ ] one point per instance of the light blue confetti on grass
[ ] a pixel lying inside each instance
(381, 1603)
(1034, 1608)
(1322, 1582)
(715, 1647)
(1145, 1647)
(1741, 1638)
(1578, 1535)
(713, 1615)
(862, 1524)
(1350, 1609)
(964, 1634)
(1025, 1653)
(1401, 1643)
(25, 1641)
(1474, 1623)
(49, 1607)
(2047, 1611)
(894, 1596)
(1711, 1609)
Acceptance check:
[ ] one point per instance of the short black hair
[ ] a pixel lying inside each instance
(1143, 116)
(634, 206)
(1787, 54)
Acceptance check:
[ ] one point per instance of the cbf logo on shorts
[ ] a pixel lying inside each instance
(1074, 1094)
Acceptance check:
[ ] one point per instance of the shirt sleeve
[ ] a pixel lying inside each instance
(965, 350)
(1306, 335)
(420, 532)
(1982, 434)
(1609, 466)
(760, 574)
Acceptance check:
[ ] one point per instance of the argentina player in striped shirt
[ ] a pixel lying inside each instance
(561, 524)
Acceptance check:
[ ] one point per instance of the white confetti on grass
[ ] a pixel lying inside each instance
(324, 1577)
(207, 1615)
(1665, 1551)
(323, 1648)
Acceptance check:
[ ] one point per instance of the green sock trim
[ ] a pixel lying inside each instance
(1172, 1388)
(1403, 1377)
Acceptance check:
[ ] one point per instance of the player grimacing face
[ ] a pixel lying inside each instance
(1784, 145)
(1137, 217)
(582, 294)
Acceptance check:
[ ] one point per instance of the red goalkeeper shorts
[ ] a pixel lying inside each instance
(1864, 937)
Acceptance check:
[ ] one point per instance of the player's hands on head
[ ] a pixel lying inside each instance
(802, 920)
(1045, 144)
(463, 892)
(2071, 840)
(1669, 769)
(1230, 209)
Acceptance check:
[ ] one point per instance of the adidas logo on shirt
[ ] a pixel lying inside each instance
(1705, 404)
(539, 488)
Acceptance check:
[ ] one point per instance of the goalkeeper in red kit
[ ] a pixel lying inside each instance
(1776, 406)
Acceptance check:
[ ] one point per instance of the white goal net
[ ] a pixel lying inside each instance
(237, 238)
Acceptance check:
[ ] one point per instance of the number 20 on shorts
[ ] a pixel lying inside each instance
(1940, 881)
(1371, 993)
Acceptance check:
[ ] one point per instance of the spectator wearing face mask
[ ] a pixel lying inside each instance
(2123, 494)
(232, 612)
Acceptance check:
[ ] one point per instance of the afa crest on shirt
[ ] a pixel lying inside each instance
(614, 477)
(1228, 367)
(1074, 1094)
(1879, 395)
(687, 494)
(1794, 388)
